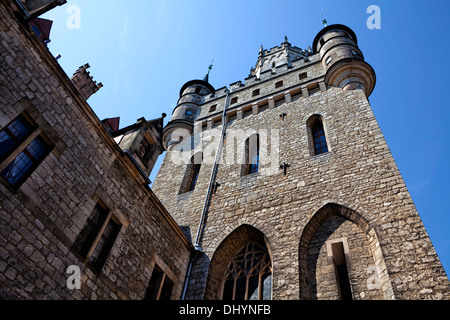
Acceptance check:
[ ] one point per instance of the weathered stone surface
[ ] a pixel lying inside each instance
(41, 220)
(354, 191)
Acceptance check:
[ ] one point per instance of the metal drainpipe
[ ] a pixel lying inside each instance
(21, 6)
(197, 246)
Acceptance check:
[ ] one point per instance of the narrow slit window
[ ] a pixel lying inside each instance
(192, 174)
(340, 266)
(319, 139)
(194, 178)
(252, 152)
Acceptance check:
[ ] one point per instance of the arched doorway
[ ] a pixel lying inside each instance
(340, 257)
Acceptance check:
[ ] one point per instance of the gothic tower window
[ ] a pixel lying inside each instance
(317, 137)
(194, 178)
(252, 152)
(192, 173)
(320, 143)
(249, 274)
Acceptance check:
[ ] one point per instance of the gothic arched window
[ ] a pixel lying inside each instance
(249, 274)
(316, 133)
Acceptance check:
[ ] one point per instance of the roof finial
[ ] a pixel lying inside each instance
(206, 78)
(324, 21)
(285, 39)
(210, 67)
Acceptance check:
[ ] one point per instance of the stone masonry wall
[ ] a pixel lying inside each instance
(41, 220)
(358, 173)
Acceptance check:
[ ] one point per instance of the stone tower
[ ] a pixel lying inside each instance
(287, 188)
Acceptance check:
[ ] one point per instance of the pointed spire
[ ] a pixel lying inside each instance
(206, 78)
(324, 21)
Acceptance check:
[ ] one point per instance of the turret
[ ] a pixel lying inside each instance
(191, 96)
(342, 60)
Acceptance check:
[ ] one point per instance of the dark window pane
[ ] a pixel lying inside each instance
(36, 149)
(17, 169)
(194, 179)
(6, 143)
(14, 134)
(253, 291)
(320, 144)
(166, 290)
(90, 231)
(240, 289)
(104, 245)
(228, 290)
(20, 128)
(153, 285)
(24, 163)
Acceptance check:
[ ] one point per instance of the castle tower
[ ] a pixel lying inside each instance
(186, 111)
(290, 190)
(342, 60)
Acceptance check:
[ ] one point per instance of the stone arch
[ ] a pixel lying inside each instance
(367, 269)
(234, 242)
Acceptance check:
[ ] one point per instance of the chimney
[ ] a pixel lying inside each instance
(84, 82)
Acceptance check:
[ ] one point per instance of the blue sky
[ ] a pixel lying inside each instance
(144, 51)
